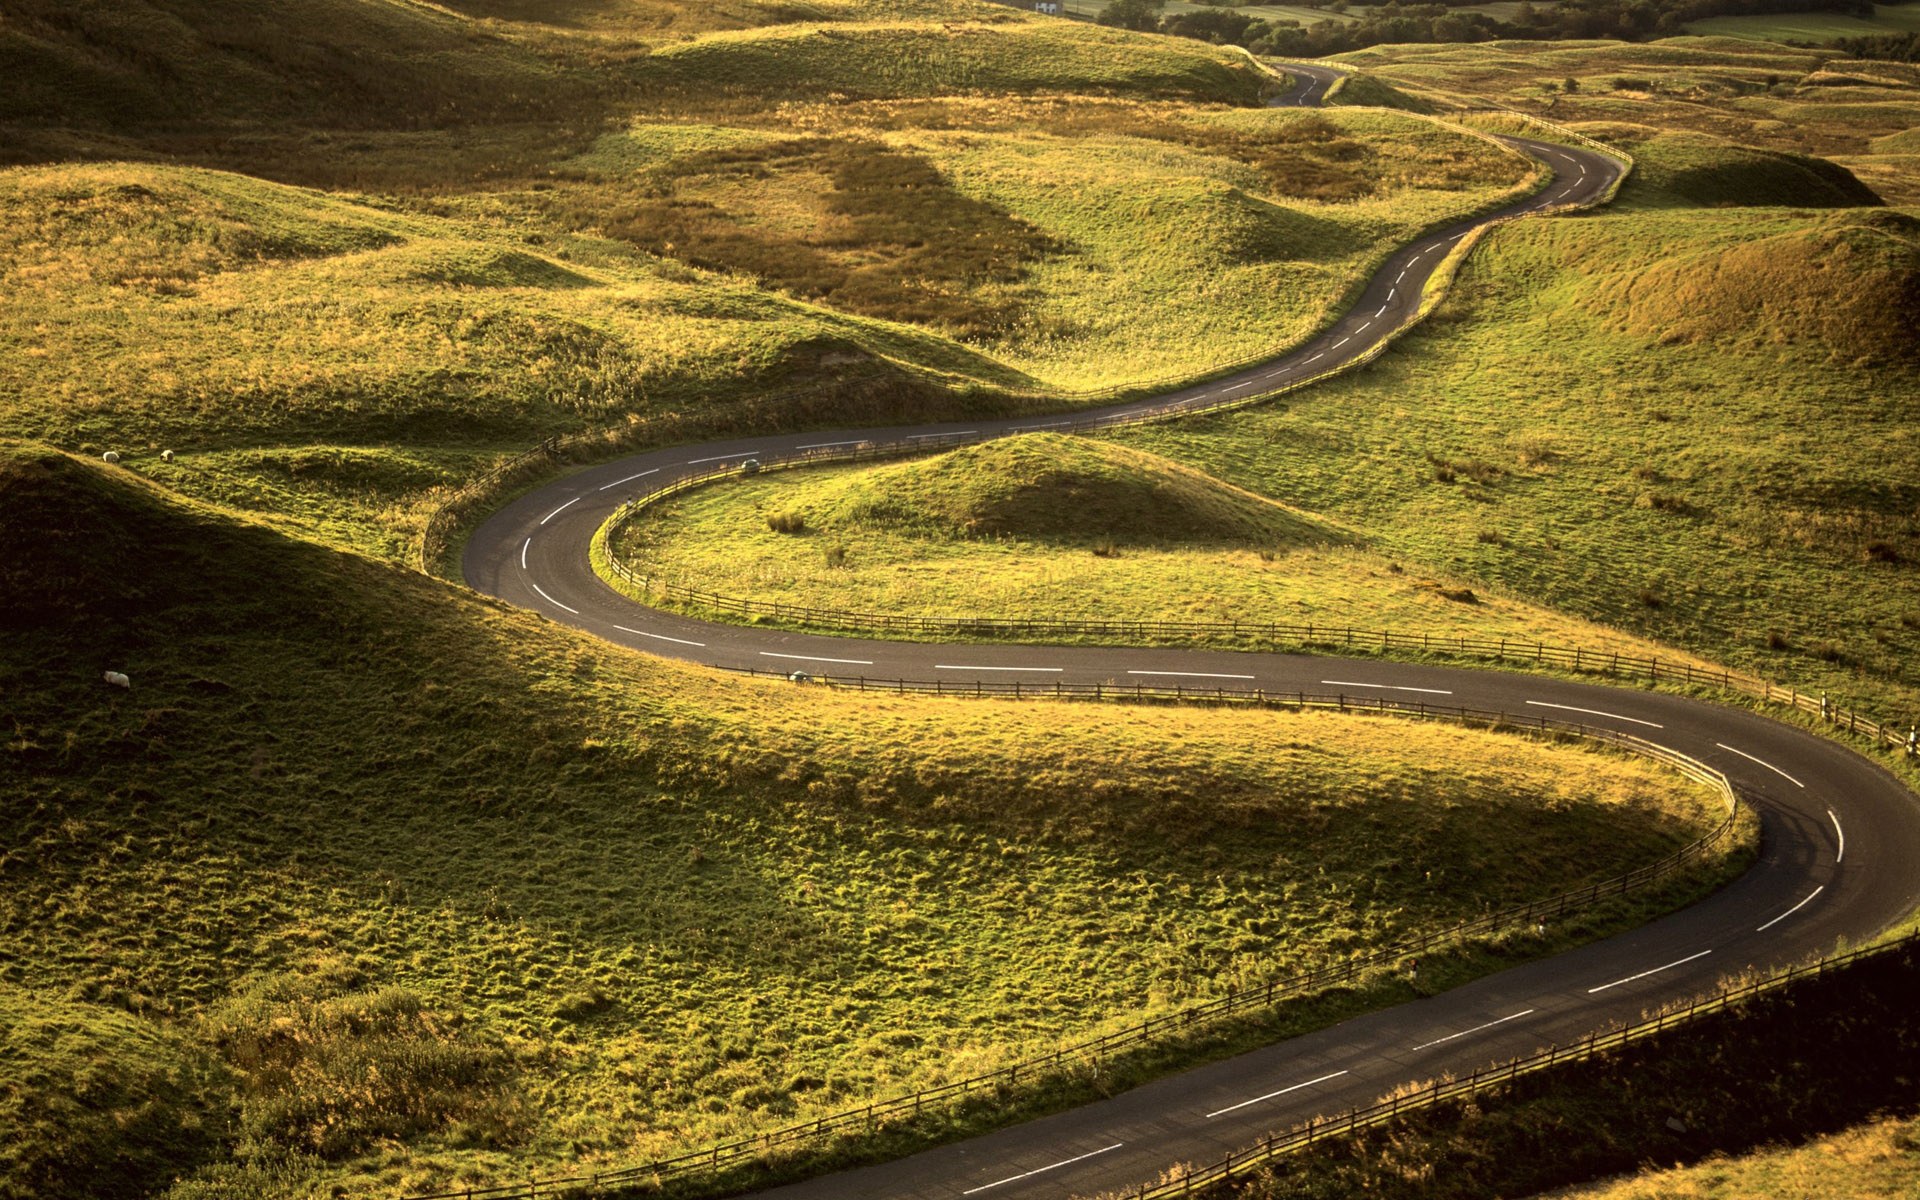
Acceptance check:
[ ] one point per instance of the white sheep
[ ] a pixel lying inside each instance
(118, 679)
(166, 456)
(112, 456)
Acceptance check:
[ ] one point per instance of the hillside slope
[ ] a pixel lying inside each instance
(368, 883)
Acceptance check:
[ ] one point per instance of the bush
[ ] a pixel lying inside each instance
(787, 522)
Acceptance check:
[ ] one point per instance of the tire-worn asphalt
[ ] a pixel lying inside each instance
(1840, 836)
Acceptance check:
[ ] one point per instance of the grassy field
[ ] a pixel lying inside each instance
(310, 912)
(1052, 526)
(938, 213)
(1812, 27)
(1750, 95)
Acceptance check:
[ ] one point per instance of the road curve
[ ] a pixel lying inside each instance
(1839, 833)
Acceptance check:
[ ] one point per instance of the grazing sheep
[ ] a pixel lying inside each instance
(166, 456)
(112, 456)
(118, 680)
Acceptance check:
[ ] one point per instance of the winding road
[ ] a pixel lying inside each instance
(1840, 835)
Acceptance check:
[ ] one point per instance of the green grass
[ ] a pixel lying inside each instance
(328, 914)
(1052, 526)
(1812, 27)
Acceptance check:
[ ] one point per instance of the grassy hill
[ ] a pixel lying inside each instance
(1688, 425)
(1052, 526)
(897, 259)
(369, 883)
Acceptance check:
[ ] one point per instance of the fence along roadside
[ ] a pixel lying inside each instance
(1274, 1146)
(1236, 1001)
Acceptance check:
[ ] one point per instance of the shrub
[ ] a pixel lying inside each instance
(787, 522)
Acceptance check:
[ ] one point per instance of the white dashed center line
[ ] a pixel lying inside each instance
(556, 512)
(1595, 712)
(1796, 908)
(1065, 1162)
(694, 462)
(549, 599)
(524, 547)
(659, 637)
(1191, 674)
(1476, 1029)
(629, 479)
(1270, 1095)
(1385, 687)
(857, 662)
(1642, 975)
(1763, 762)
(1840, 835)
(962, 667)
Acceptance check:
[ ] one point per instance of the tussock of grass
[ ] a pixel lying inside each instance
(510, 899)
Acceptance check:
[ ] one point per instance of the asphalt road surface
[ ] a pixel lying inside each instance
(1840, 834)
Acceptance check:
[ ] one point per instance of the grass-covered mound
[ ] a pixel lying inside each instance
(1051, 487)
(1048, 526)
(1846, 288)
(893, 58)
(368, 883)
(1697, 171)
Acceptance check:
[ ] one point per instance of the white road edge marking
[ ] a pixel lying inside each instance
(556, 512)
(524, 547)
(1595, 712)
(1642, 975)
(1191, 674)
(1270, 1095)
(858, 662)
(1065, 1162)
(549, 599)
(1386, 686)
(629, 479)
(962, 667)
(1839, 833)
(1763, 762)
(1796, 908)
(1476, 1029)
(658, 636)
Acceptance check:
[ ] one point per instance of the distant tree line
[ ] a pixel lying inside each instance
(1629, 20)
(1889, 47)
